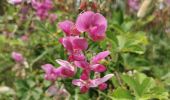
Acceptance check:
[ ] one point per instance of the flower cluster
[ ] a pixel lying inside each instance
(134, 4)
(95, 25)
(42, 9)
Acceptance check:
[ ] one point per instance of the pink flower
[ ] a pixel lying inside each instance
(93, 66)
(134, 4)
(17, 57)
(74, 45)
(14, 2)
(52, 18)
(93, 23)
(86, 84)
(99, 57)
(65, 70)
(42, 8)
(24, 38)
(51, 73)
(68, 27)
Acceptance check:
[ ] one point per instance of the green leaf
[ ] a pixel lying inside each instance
(120, 93)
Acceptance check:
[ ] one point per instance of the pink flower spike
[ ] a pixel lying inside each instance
(93, 23)
(102, 86)
(100, 56)
(66, 26)
(17, 57)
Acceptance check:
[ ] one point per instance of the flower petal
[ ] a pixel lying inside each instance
(98, 68)
(96, 82)
(82, 64)
(66, 26)
(100, 56)
(78, 82)
(80, 44)
(83, 21)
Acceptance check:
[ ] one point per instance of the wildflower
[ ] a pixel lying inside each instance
(18, 57)
(133, 4)
(94, 65)
(42, 8)
(74, 46)
(93, 23)
(65, 70)
(86, 84)
(68, 27)
(52, 18)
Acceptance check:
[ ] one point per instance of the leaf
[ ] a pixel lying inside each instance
(120, 93)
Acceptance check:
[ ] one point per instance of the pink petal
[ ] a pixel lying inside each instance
(47, 68)
(65, 64)
(84, 89)
(85, 74)
(82, 64)
(67, 43)
(96, 82)
(17, 57)
(78, 82)
(100, 56)
(98, 68)
(97, 33)
(80, 44)
(77, 56)
(67, 72)
(103, 86)
(84, 20)
(66, 26)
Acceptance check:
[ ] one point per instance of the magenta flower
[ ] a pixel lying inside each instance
(68, 27)
(86, 84)
(51, 73)
(93, 23)
(14, 2)
(65, 70)
(94, 65)
(17, 57)
(52, 18)
(74, 46)
(42, 8)
(134, 4)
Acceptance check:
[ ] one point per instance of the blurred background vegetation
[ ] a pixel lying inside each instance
(138, 39)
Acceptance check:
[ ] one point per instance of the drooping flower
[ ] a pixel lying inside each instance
(86, 84)
(74, 46)
(93, 66)
(18, 57)
(68, 27)
(134, 4)
(93, 23)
